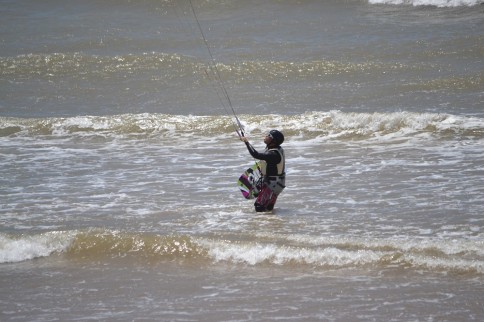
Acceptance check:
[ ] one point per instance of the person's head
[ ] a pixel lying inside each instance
(274, 138)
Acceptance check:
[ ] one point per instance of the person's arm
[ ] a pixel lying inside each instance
(253, 152)
(268, 156)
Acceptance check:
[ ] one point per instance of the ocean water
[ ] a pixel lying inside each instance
(119, 160)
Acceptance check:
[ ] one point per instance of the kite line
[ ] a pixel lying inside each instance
(239, 128)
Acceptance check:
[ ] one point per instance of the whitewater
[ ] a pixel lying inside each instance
(119, 197)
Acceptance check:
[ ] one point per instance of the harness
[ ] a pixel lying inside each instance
(275, 183)
(281, 166)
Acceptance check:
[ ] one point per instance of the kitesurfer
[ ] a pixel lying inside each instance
(273, 168)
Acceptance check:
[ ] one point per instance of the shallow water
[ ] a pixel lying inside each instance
(119, 195)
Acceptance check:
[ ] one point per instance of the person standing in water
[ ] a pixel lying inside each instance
(273, 169)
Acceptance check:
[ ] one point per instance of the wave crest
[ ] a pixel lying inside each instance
(436, 3)
(95, 244)
(333, 124)
(461, 257)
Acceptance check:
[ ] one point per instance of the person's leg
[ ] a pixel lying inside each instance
(265, 200)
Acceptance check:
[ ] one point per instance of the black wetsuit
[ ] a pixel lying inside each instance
(271, 157)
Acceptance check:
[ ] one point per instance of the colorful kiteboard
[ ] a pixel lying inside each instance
(250, 182)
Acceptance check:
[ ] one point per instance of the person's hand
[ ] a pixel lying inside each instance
(244, 139)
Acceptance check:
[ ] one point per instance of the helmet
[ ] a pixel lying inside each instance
(277, 136)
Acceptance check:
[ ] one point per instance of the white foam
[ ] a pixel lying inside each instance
(309, 127)
(257, 253)
(29, 247)
(436, 3)
(429, 253)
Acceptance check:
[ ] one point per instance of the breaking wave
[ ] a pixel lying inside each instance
(436, 3)
(26, 247)
(334, 124)
(464, 256)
